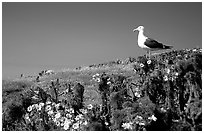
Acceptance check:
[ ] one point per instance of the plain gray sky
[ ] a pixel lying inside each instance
(38, 36)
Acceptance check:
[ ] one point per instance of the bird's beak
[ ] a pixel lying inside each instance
(135, 30)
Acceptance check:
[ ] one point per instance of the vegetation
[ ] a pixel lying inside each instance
(163, 93)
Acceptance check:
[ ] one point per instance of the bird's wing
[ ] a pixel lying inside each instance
(153, 43)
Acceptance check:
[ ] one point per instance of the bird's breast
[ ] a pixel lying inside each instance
(141, 42)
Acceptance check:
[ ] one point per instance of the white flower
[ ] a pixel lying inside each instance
(57, 123)
(165, 78)
(62, 124)
(152, 118)
(176, 74)
(141, 123)
(68, 115)
(41, 104)
(106, 123)
(57, 115)
(71, 110)
(84, 111)
(57, 105)
(29, 108)
(168, 71)
(127, 125)
(50, 112)
(85, 123)
(36, 92)
(137, 94)
(141, 65)
(97, 74)
(48, 108)
(38, 107)
(75, 125)
(48, 102)
(78, 117)
(108, 82)
(149, 62)
(138, 117)
(98, 80)
(66, 126)
(90, 106)
(163, 110)
(27, 116)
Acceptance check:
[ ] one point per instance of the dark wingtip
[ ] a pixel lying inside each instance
(168, 47)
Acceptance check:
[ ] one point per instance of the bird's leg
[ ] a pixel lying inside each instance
(149, 54)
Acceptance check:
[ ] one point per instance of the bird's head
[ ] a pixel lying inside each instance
(140, 28)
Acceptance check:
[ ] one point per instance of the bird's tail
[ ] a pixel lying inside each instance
(167, 47)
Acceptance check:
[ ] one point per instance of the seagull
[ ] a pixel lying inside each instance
(147, 43)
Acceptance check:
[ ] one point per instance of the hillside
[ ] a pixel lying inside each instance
(161, 93)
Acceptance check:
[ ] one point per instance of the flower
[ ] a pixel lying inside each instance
(78, 117)
(62, 124)
(152, 118)
(172, 67)
(75, 125)
(90, 106)
(83, 111)
(98, 80)
(137, 94)
(127, 125)
(27, 116)
(165, 78)
(38, 107)
(97, 74)
(57, 123)
(106, 123)
(108, 82)
(68, 115)
(70, 110)
(66, 126)
(168, 71)
(85, 123)
(57, 105)
(48, 102)
(176, 74)
(138, 117)
(57, 115)
(163, 110)
(142, 123)
(141, 65)
(48, 108)
(149, 62)
(29, 108)
(50, 112)
(41, 104)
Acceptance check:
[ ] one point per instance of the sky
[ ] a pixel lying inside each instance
(40, 36)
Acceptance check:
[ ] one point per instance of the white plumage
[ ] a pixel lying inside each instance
(147, 43)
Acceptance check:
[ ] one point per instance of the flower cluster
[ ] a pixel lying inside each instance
(127, 126)
(96, 77)
(63, 117)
